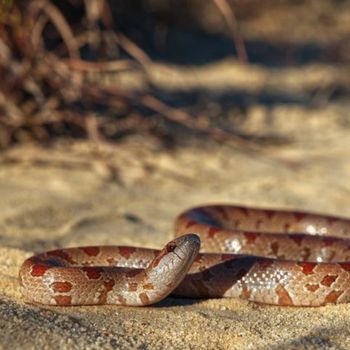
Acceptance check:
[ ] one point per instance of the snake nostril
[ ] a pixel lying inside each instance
(171, 247)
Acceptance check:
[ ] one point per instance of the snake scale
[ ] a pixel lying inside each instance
(266, 256)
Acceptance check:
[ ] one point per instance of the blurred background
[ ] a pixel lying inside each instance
(102, 70)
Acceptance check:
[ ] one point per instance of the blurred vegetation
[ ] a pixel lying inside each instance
(48, 47)
(43, 93)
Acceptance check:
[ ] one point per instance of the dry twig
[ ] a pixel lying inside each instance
(230, 18)
(44, 93)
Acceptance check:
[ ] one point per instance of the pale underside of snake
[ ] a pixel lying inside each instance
(266, 256)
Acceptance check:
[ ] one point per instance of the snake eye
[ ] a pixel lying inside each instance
(171, 247)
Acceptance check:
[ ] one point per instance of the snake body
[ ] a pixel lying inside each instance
(266, 256)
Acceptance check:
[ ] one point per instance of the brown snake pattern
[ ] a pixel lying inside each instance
(266, 256)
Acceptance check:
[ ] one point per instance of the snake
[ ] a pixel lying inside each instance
(267, 256)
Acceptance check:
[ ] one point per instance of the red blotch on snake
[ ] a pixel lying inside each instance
(274, 248)
(148, 286)
(126, 252)
(222, 211)
(93, 273)
(265, 263)
(345, 266)
(328, 241)
(250, 237)
(90, 251)
(283, 296)
(61, 287)
(246, 292)
(144, 298)
(132, 273)
(159, 257)
(213, 230)
(244, 211)
(312, 287)
(328, 280)
(269, 213)
(297, 239)
(109, 284)
(308, 267)
(299, 216)
(39, 269)
(333, 296)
